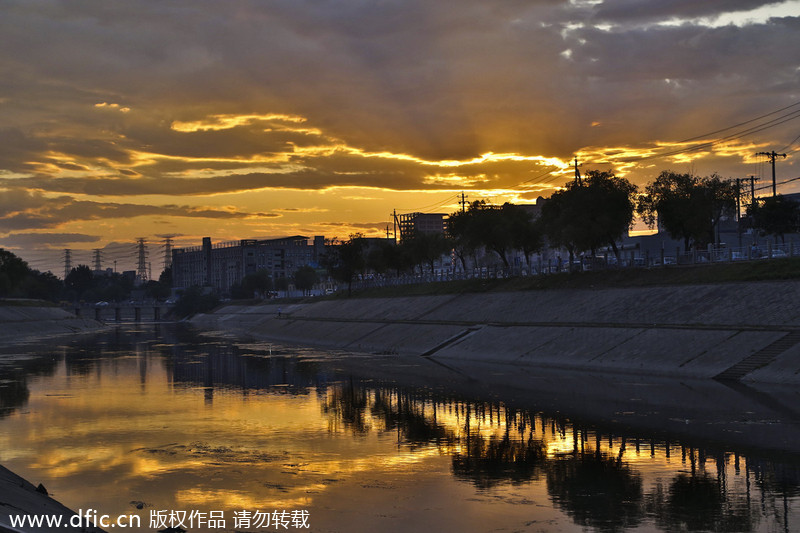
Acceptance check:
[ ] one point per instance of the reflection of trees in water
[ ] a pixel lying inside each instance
(778, 482)
(489, 444)
(362, 410)
(81, 356)
(596, 490)
(777, 478)
(348, 403)
(588, 472)
(487, 462)
(16, 373)
(14, 393)
(510, 457)
(699, 502)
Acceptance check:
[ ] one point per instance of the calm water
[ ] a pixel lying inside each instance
(163, 419)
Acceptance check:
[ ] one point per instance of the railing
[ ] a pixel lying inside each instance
(627, 259)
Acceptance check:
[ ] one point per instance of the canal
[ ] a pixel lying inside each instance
(215, 433)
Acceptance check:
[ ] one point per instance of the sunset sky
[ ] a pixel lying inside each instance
(249, 118)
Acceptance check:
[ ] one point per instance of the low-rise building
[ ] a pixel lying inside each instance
(222, 265)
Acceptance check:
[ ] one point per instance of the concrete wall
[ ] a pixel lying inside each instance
(693, 331)
(17, 323)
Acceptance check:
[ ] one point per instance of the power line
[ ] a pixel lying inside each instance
(741, 123)
(756, 129)
(431, 206)
(792, 115)
(790, 144)
(769, 186)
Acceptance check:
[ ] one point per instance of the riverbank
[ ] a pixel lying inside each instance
(747, 331)
(18, 322)
(20, 498)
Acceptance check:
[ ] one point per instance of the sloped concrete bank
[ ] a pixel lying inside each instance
(19, 498)
(736, 331)
(18, 323)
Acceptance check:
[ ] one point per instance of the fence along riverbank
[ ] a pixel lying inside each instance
(738, 331)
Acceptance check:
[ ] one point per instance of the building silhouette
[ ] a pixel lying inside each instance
(412, 223)
(222, 265)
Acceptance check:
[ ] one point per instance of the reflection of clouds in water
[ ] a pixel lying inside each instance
(115, 423)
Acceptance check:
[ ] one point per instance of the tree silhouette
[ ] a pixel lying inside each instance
(424, 248)
(80, 279)
(13, 271)
(345, 259)
(461, 235)
(687, 207)
(775, 215)
(305, 278)
(588, 215)
(498, 229)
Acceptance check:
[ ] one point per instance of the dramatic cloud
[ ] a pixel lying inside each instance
(51, 239)
(20, 210)
(171, 112)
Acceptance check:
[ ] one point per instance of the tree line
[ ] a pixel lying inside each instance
(587, 215)
(18, 280)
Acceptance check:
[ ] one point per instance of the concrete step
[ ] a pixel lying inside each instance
(759, 359)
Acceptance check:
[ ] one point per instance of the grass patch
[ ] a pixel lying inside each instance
(746, 271)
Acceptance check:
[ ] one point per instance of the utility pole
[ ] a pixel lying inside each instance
(67, 262)
(394, 215)
(753, 192)
(463, 202)
(577, 174)
(739, 210)
(772, 157)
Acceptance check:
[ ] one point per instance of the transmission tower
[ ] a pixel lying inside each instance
(67, 262)
(98, 259)
(167, 252)
(141, 267)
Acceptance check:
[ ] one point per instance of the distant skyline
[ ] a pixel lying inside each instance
(242, 119)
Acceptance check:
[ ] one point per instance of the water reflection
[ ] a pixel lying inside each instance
(176, 420)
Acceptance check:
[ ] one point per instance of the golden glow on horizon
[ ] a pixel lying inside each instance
(339, 187)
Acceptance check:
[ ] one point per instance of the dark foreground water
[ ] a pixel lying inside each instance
(225, 435)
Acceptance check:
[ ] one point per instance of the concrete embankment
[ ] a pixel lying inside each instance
(735, 331)
(19, 322)
(20, 499)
